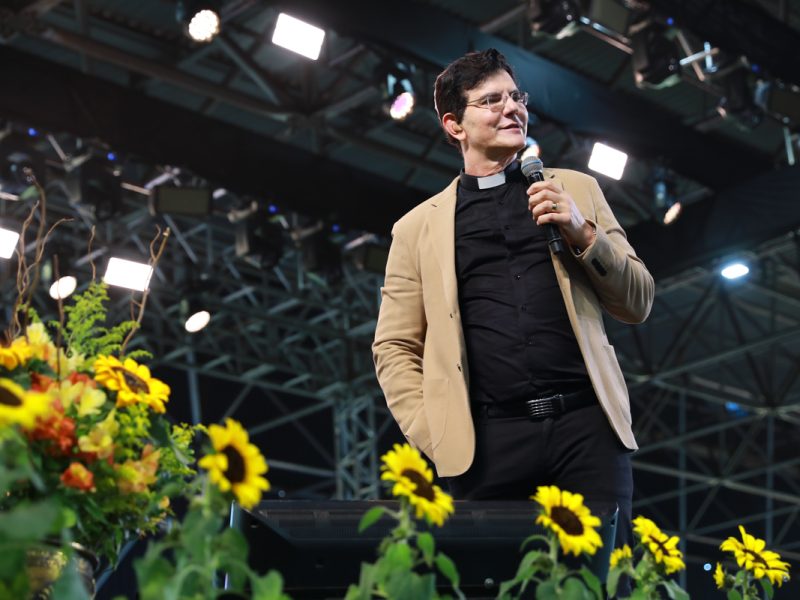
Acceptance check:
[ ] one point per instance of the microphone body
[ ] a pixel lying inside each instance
(532, 170)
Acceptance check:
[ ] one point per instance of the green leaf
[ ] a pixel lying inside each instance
(734, 595)
(674, 591)
(69, 586)
(426, 544)
(29, 522)
(448, 568)
(369, 518)
(612, 581)
(152, 574)
(232, 546)
(592, 582)
(638, 594)
(574, 589)
(268, 587)
(546, 591)
(398, 557)
(766, 584)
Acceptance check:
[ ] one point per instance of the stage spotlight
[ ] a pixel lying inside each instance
(128, 274)
(259, 240)
(298, 36)
(63, 287)
(400, 95)
(734, 269)
(185, 201)
(780, 100)
(607, 160)
(667, 208)
(99, 187)
(738, 102)
(531, 149)
(200, 19)
(17, 155)
(8, 242)
(656, 62)
(554, 17)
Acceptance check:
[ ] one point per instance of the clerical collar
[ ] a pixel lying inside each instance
(470, 182)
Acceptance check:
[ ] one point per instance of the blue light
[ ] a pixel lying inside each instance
(335, 228)
(111, 156)
(32, 132)
(272, 208)
(755, 68)
(707, 567)
(670, 21)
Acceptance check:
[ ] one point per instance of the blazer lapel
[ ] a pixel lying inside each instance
(441, 228)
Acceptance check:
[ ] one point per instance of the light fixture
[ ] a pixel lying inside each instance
(738, 102)
(185, 201)
(399, 92)
(194, 307)
(20, 165)
(100, 187)
(8, 242)
(656, 62)
(607, 160)
(258, 238)
(200, 19)
(666, 206)
(554, 17)
(63, 287)
(780, 100)
(734, 270)
(298, 36)
(128, 274)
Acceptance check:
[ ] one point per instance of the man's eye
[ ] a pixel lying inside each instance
(516, 96)
(494, 98)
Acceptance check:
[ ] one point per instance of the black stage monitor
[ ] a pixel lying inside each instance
(318, 550)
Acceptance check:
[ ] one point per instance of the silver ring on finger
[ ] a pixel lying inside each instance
(554, 207)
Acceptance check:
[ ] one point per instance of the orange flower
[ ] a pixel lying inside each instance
(136, 475)
(56, 429)
(79, 477)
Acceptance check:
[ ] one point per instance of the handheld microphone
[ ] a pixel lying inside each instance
(532, 170)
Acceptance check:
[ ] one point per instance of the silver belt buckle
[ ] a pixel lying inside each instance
(541, 408)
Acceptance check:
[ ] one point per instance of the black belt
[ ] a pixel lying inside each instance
(540, 408)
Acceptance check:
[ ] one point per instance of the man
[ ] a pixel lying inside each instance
(491, 351)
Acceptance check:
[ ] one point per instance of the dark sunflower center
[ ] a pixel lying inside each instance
(757, 558)
(9, 399)
(567, 520)
(424, 488)
(134, 382)
(236, 467)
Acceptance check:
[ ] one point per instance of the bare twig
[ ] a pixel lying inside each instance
(155, 256)
(89, 253)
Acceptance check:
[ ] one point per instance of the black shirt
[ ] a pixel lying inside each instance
(519, 340)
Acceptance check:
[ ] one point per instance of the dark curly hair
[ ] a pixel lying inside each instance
(464, 74)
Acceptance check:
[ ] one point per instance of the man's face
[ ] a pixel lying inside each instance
(494, 134)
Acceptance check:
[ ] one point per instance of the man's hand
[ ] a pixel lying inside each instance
(549, 204)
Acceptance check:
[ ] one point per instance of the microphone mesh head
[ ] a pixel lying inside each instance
(530, 165)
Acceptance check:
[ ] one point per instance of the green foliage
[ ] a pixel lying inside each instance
(85, 331)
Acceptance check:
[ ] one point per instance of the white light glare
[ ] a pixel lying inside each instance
(204, 26)
(402, 106)
(63, 287)
(197, 321)
(734, 270)
(298, 36)
(673, 212)
(8, 241)
(607, 160)
(128, 274)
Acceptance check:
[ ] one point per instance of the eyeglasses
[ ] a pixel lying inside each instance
(496, 101)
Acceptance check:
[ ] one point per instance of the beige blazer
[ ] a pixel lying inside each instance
(419, 351)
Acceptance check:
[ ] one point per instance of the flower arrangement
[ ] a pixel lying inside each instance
(757, 565)
(407, 557)
(659, 557)
(569, 526)
(83, 434)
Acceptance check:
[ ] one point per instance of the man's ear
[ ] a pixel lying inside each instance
(452, 126)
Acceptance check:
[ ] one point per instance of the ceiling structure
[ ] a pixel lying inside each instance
(713, 373)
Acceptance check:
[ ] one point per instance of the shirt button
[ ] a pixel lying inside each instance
(529, 340)
(524, 308)
(506, 227)
(518, 277)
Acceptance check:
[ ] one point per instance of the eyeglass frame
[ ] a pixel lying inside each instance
(483, 101)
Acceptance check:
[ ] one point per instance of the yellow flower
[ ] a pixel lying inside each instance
(565, 514)
(132, 382)
(751, 555)
(413, 479)
(237, 464)
(80, 390)
(18, 353)
(619, 555)
(719, 576)
(18, 405)
(137, 475)
(40, 341)
(100, 440)
(662, 547)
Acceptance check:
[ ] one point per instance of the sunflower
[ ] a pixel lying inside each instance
(18, 405)
(565, 514)
(662, 547)
(751, 555)
(132, 382)
(237, 464)
(17, 353)
(413, 479)
(620, 555)
(719, 577)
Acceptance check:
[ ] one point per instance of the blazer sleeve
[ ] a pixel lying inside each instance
(399, 343)
(619, 277)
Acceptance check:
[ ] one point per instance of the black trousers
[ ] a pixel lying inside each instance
(576, 451)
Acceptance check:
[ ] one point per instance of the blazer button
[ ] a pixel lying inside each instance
(459, 367)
